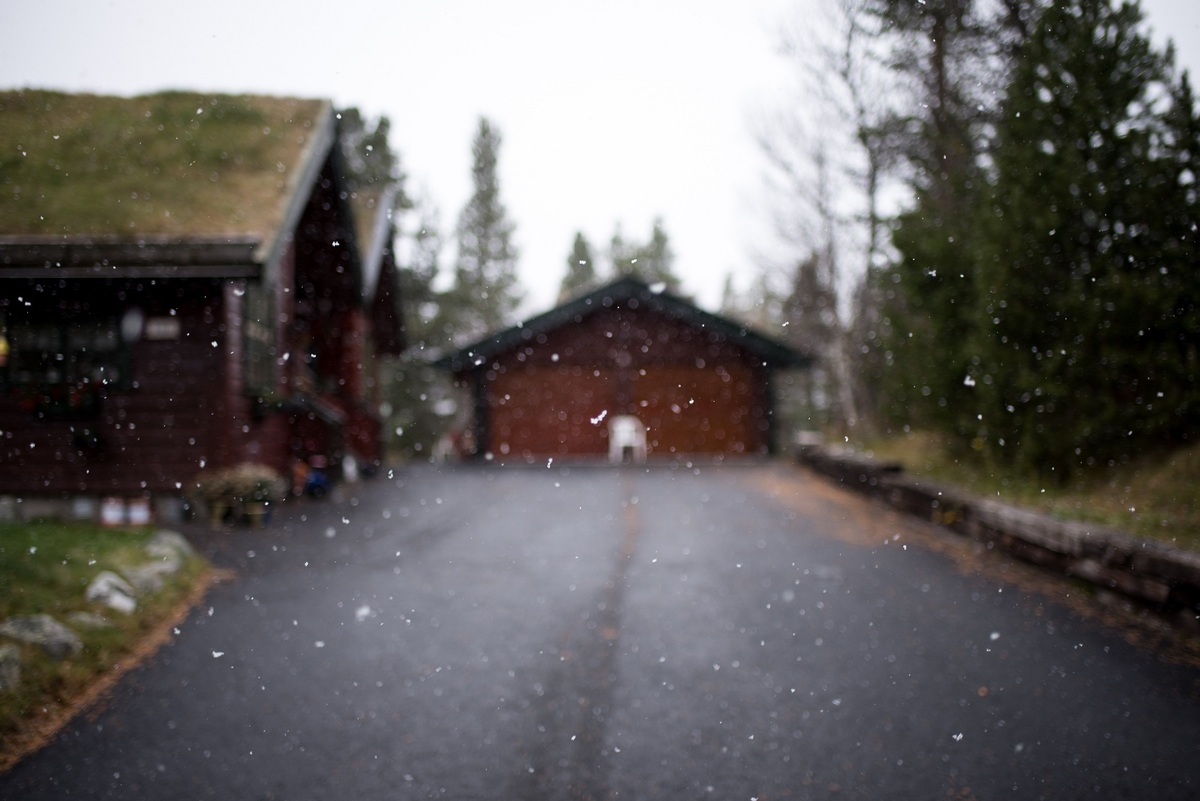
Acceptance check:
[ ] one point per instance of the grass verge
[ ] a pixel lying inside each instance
(1156, 496)
(45, 567)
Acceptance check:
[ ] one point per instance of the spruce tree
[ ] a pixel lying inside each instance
(1068, 294)
(485, 293)
(652, 261)
(929, 291)
(656, 259)
(367, 157)
(1174, 409)
(581, 272)
(417, 392)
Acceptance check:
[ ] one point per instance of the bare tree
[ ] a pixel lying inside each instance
(828, 160)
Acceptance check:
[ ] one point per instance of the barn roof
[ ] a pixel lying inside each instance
(617, 294)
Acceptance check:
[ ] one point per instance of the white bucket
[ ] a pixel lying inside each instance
(112, 512)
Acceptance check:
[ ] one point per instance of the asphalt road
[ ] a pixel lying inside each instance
(591, 633)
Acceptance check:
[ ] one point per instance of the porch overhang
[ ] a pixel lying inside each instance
(144, 257)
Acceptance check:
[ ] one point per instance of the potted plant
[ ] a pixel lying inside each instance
(210, 489)
(255, 487)
(246, 490)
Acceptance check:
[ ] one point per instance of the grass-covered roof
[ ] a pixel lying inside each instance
(170, 164)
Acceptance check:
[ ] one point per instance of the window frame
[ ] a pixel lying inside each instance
(260, 348)
(75, 360)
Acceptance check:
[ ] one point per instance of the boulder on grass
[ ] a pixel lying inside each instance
(45, 632)
(144, 578)
(165, 543)
(113, 591)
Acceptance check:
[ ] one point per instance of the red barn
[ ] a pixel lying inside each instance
(185, 282)
(567, 382)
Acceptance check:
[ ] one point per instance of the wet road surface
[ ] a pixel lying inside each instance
(596, 633)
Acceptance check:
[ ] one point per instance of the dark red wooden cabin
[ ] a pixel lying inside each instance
(132, 359)
(700, 384)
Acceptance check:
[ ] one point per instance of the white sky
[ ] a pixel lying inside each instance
(612, 111)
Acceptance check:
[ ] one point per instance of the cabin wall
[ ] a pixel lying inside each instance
(555, 394)
(148, 435)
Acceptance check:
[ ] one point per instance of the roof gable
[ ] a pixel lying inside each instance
(630, 293)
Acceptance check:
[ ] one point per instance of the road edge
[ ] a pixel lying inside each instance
(1157, 576)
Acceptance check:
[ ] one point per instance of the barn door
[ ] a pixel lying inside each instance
(699, 410)
(538, 411)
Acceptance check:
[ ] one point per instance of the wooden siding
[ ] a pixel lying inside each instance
(146, 437)
(550, 411)
(555, 394)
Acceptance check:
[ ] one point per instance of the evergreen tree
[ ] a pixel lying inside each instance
(652, 262)
(622, 255)
(485, 293)
(656, 259)
(1176, 351)
(425, 323)
(939, 49)
(1069, 294)
(581, 272)
(368, 158)
(417, 393)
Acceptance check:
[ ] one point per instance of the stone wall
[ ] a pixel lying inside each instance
(1154, 574)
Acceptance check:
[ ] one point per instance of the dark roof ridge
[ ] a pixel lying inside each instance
(621, 290)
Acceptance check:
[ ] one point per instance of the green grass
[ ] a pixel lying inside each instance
(174, 163)
(46, 567)
(1156, 496)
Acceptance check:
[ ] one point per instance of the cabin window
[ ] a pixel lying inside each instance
(260, 372)
(58, 368)
(63, 352)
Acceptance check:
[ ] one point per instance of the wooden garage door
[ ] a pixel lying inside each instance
(700, 411)
(549, 411)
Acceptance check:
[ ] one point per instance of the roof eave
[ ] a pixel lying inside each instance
(300, 184)
(773, 354)
(379, 242)
(113, 257)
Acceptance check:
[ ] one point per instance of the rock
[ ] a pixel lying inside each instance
(145, 578)
(10, 667)
(164, 542)
(165, 559)
(45, 632)
(113, 591)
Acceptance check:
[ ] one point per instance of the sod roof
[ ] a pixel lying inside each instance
(173, 164)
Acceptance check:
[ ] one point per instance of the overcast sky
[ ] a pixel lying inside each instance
(612, 112)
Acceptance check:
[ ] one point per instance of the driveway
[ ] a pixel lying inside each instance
(592, 633)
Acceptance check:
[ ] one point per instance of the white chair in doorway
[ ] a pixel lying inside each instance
(626, 439)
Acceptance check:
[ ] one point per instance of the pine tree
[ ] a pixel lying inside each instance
(581, 272)
(939, 48)
(652, 262)
(424, 320)
(1068, 294)
(485, 293)
(416, 392)
(367, 156)
(656, 259)
(1176, 353)
(622, 255)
